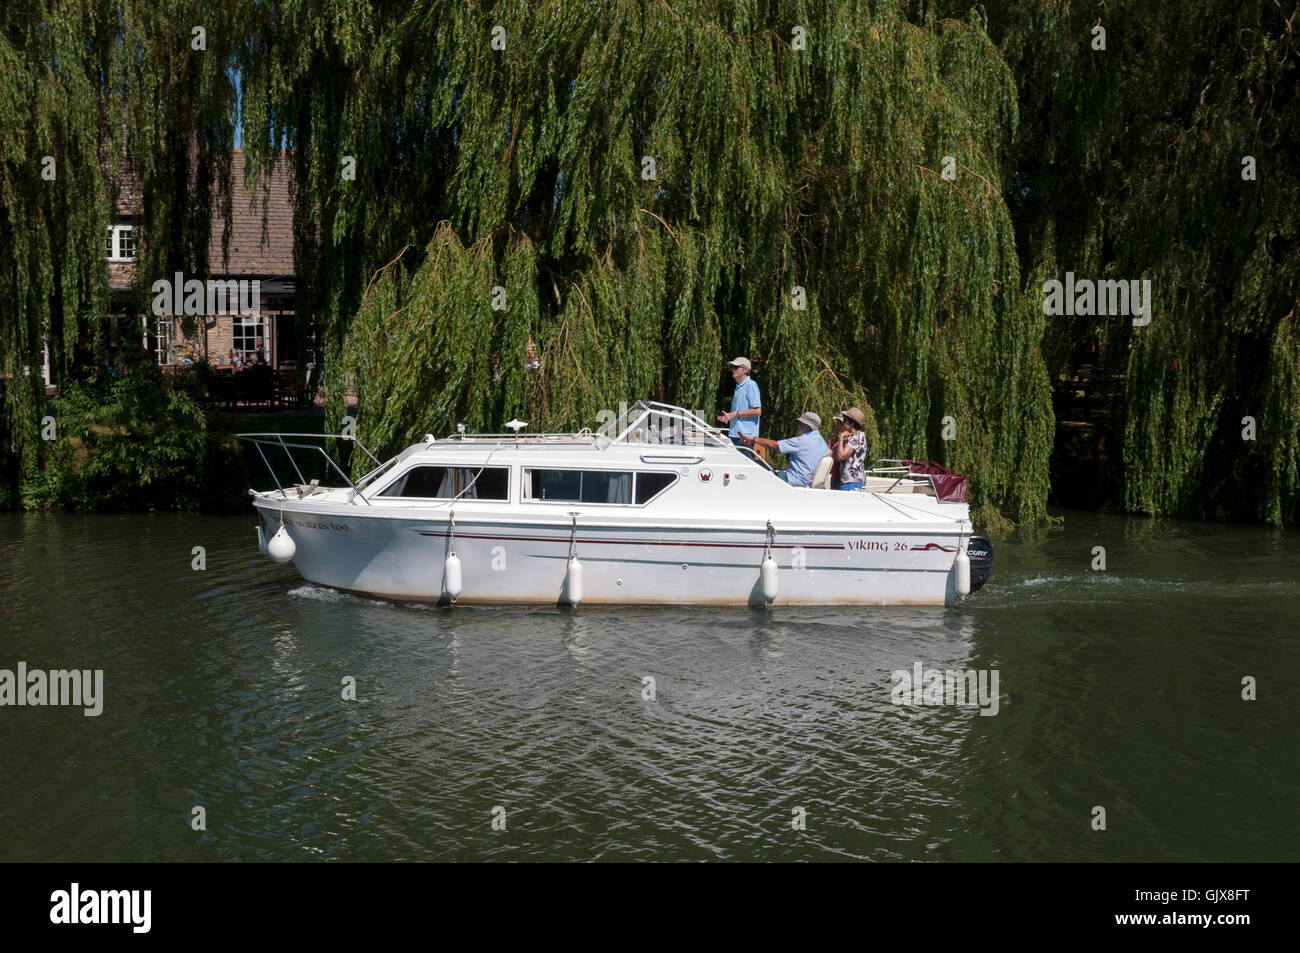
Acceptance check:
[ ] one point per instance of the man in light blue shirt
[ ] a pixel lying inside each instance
(803, 452)
(746, 407)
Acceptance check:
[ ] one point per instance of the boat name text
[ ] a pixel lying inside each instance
(875, 545)
(312, 524)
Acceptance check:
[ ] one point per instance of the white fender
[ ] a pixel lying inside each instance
(961, 571)
(769, 579)
(451, 581)
(261, 540)
(281, 547)
(573, 586)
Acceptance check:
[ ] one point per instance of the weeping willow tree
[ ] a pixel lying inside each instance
(636, 191)
(54, 203)
(1170, 155)
(173, 85)
(93, 92)
(643, 189)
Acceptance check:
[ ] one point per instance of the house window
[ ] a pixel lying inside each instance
(165, 339)
(120, 243)
(249, 336)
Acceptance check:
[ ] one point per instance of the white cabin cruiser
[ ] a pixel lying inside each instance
(655, 508)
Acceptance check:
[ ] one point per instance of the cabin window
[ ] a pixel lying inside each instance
(602, 486)
(555, 485)
(595, 486)
(650, 485)
(580, 486)
(444, 483)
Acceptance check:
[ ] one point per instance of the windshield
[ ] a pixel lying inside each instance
(660, 424)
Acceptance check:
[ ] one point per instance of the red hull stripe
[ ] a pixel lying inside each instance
(627, 542)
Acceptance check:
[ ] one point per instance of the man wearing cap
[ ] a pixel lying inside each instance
(851, 449)
(803, 452)
(746, 408)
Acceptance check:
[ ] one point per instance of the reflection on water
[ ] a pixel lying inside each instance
(224, 688)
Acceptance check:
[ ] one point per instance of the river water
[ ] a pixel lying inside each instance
(771, 734)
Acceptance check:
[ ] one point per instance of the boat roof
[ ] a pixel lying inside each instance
(644, 423)
(653, 434)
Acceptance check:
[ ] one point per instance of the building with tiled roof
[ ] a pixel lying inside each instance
(220, 325)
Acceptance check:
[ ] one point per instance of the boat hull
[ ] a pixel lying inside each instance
(511, 562)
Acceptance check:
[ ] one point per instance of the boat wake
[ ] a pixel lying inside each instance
(1093, 579)
(1080, 588)
(331, 596)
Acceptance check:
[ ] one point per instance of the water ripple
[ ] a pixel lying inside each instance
(771, 734)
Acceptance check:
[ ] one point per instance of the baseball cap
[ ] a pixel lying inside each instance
(740, 362)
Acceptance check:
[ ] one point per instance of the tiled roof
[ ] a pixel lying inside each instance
(257, 247)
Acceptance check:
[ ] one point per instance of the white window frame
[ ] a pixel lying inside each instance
(115, 241)
(461, 476)
(242, 321)
(165, 339)
(526, 484)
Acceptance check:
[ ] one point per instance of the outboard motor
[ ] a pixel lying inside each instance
(980, 552)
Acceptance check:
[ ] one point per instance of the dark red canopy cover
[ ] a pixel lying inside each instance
(950, 486)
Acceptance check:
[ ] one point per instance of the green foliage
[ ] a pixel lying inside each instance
(90, 84)
(775, 169)
(431, 166)
(126, 443)
(52, 268)
(1130, 165)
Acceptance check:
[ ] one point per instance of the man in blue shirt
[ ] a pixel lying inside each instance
(746, 407)
(803, 452)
